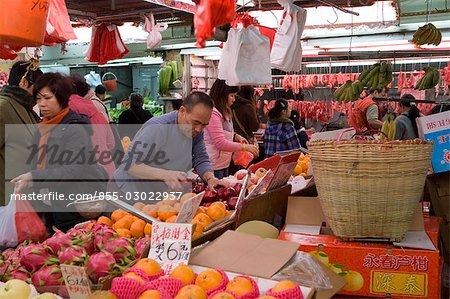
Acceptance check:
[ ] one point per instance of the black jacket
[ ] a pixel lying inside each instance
(132, 118)
(245, 119)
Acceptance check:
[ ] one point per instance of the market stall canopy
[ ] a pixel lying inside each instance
(412, 11)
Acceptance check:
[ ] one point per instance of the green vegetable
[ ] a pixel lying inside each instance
(174, 66)
(165, 75)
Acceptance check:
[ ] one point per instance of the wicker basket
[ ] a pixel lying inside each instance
(370, 189)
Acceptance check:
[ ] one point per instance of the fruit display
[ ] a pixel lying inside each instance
(429, 80)
(427, 35)
(355, 280)
(126, 225)
(302, 167)
(349, 92)
(97, 247)
(377, 76)
(146, 280)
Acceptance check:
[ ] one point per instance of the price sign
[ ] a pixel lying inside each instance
(76, 280)
(262, 184)
(189, 208)
(243, 190)
(171, 244)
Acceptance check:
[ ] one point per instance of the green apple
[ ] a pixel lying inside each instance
(15, 288)
(45, 296)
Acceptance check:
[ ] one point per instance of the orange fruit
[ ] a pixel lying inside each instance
(148, 229)
(139, 205)
(133, 276)
(209, 279)
(166, 212)
(203, 219)
(102, 295)
(240, 286)
(183, 273)
(149, 266)
(199, 228)
(283, 286)
(137, 228)
(124, 222)
(117, 215)
(223, 295)
(150, 294)
(123, 232)
(104, 220)
(186, 196)
(191, 292)
(266, 297)
(216, 212)
(219, 204)
(177, 207)
(151, 210)
(172, 219)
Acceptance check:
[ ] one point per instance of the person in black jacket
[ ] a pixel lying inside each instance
(301, 132)
(245, 118)
(61, 159)
(136, 115)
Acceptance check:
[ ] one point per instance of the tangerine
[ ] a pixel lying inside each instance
(223, 295)
(137, 228)
(240, 286)
(123, 232)
(198, 231)
(183, 273)
(124, 222)
(151, 210)
(165, 212)
(284, 285)
(216, 212)
(150, 294)
(209, 279)
(203, 219)
(191, 292)
(149, 266)
(134, 276)
(219, 204)
(105, 220)
(139, 205)
(186, 196)
(172, 219)
(117, 215)
(148, 229)
(267, 297)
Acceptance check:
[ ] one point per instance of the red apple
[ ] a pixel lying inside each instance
(240, 174)
(231, 202)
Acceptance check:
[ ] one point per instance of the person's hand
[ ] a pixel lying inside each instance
(22, 182)
(213, 182)
(240, 139)
(253, 149)
(173, 179)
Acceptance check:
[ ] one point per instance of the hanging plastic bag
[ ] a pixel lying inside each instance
(106, 44)
(59, 29)
(8, 233)
(211, 14)
(243, 158)
(245, 58)
(286, 52)
(154, 30)
(29, 225)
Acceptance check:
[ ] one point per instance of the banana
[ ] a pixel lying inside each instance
(363, 74)
(436, 76)
(383, 67)
(375, 81)
(438, 40)
(384, 129)
(427, 34)
(391, 134)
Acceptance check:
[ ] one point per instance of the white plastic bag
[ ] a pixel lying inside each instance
(286, 52)
(154, 37)
(8, 231)
(245, 58)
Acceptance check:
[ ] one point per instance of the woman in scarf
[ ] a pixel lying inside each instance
(62, 153)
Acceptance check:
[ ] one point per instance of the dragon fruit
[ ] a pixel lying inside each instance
(19, 273)
(100, 264)
(35, 256)
(83, 238)
(75, 255)
(140, 245)
(48, 276)
(7, 253)
(102, 235)
(12, 256)
(121, 249)
(58, 241)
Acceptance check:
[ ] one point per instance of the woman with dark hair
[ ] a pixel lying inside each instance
(405, 123)
(60, 152)
(245, 118)
(299, 127)
(280, 134)
(136, 115)
(220, 139)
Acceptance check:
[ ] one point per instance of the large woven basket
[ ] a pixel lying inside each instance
(370, 189)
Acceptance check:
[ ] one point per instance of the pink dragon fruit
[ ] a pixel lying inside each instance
(58, 242)
(83, 238)
(35, 256)
(20, 273)
(75, 255)
(102, 235)
(100, 264)
(5, 267)
(121, 249)
(7, 253)
(48, 276)
(140, 245)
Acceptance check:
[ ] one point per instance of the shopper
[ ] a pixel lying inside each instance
(245, 118)
(365, 114)
(97, 100)
(62, 132)
(280, 134)
(405, 123)
(135, 116)
(220, 139)
(16, 108)
(103, 139)
(444, 103)
(178, 136)
(299, 128)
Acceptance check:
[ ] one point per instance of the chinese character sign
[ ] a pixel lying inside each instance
(394, 262)
(76, 280)
(171, 244)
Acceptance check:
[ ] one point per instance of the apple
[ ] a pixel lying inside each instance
(221, 193)
(238, 188)
(230, 192)
(240, 174)
(15, 288)
(231, 202)
(254, 179)
(46, 296)
(210, 196)
(260, 172)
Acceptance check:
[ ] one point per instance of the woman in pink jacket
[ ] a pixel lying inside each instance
(220, 139)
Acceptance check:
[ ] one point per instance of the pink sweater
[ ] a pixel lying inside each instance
(219, 141)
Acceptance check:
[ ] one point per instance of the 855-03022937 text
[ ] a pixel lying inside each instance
(128, 196)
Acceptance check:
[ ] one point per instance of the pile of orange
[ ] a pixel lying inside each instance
(302, 167)
(126, 225)
(126, 142)
(206, 216)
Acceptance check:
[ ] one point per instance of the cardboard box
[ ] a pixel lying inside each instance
(438, 186)
(370, 269)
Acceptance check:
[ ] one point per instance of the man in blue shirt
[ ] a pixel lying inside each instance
(166, 147)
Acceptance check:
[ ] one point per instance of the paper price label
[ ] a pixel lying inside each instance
(76, 281)
(262, 185)
(189, 208)
(171, 244)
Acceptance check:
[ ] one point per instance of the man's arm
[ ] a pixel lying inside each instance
(372, 117)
